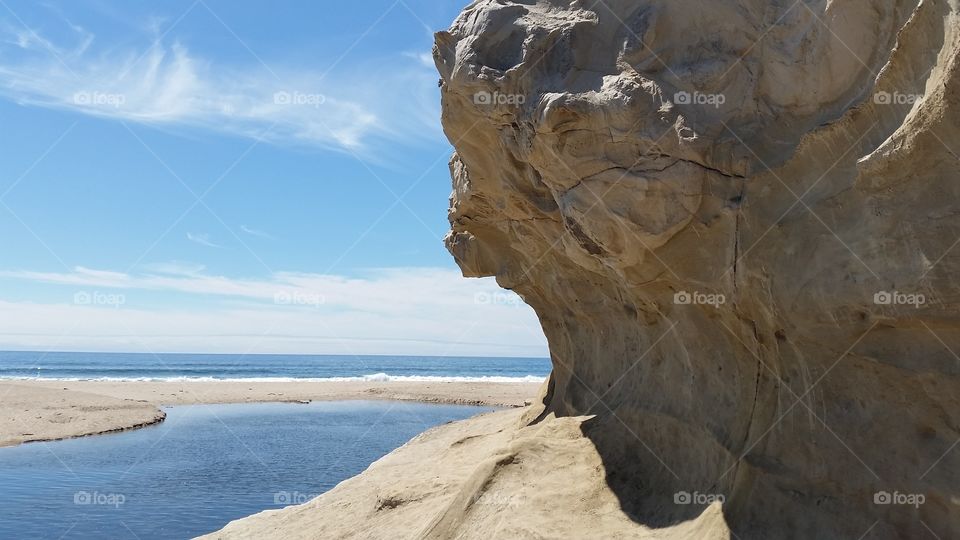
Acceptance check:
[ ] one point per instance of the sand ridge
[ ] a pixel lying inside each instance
(30, 413)
(44, 410)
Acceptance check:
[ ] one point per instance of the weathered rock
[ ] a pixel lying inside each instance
(737, 222)
(709, 205)
(482, 478)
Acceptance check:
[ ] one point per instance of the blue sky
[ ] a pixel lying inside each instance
(233, 177)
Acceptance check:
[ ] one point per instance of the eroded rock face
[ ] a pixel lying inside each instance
(737, 222)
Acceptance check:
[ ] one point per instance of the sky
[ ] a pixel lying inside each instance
(242, 177)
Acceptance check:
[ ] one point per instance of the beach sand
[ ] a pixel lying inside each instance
(30, 412)
(40, 410)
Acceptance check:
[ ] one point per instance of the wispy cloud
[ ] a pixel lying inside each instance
(255, 232)
(382, 290)
(424, 58)
(203, 239)
(164, 84)
(386, 311)
(176, 268)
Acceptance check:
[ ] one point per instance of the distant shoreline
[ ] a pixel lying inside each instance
(45, 410)
(122, 367)
(372, 378)
(47, 352)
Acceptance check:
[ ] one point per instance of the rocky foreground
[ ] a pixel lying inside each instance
(738, 223)
(492, 476)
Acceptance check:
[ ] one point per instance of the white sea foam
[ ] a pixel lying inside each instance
(375, 377)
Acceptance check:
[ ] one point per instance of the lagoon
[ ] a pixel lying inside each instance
(201, 468)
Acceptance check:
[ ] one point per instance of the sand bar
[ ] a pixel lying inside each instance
(42, 410)
(30, 412)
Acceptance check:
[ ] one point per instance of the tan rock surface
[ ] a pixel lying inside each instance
(473, 479)
(737, 222)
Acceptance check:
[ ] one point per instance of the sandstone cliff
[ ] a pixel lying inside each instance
(738, 223)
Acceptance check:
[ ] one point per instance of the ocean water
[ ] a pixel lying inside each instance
(202, 467)
(143, 366)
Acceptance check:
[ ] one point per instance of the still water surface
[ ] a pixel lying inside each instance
(202, 467)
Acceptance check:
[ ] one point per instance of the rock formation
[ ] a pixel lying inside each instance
(737, 221)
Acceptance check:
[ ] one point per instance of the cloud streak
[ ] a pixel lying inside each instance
(203, 239)
(165, 85)
(257, 233)
(386, 311)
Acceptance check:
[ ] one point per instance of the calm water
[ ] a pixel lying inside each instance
(202, 467)
(72, 366)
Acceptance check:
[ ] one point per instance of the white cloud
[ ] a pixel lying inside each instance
(424, 58)
(164, 84)
(175, 268)
(255, 232)
(203, 239)
(388, 311)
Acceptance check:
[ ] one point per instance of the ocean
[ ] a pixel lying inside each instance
(201, 468)
(74, 366)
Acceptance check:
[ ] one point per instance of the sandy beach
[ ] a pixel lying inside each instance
(30, 412)
(43, 410)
